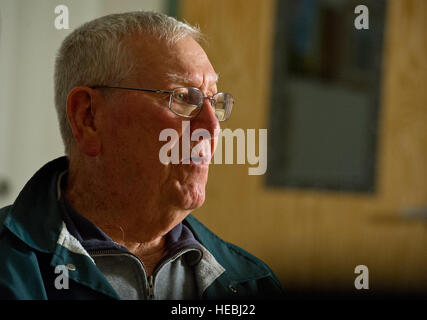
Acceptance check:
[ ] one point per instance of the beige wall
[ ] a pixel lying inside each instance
(315, 239)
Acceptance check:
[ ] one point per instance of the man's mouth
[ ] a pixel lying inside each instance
(195, 161)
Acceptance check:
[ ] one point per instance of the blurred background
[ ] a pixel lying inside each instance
(346, 113)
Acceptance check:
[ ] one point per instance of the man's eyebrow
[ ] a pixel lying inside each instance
(174, 77)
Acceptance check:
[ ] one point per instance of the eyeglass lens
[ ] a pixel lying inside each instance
(187, 101)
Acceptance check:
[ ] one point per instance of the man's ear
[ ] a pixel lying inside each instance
(81, 116)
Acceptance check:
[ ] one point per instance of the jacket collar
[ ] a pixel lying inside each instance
(240, 265)
(36, 219)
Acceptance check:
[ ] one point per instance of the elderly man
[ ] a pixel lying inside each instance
(111, 220)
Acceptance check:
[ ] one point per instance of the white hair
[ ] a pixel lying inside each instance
(95, 54)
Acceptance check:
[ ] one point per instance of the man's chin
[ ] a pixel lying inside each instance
(190, 197)
(193, 203)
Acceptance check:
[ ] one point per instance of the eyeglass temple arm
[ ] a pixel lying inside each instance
(136, 89)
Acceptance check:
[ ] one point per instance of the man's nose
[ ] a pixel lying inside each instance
(206, 119)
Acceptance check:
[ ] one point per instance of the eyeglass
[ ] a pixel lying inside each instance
(187, 102)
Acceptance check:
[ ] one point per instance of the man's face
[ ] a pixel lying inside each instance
(132, 121)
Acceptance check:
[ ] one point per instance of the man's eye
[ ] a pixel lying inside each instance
(191, 96)
(180, 96)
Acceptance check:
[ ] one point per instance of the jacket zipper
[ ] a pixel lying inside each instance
(150, 279)
(150, 288)
(149, 295)
(99, 252)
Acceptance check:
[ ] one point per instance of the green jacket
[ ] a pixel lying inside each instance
(30, 250)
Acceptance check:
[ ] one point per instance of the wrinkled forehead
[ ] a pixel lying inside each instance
(182, 78)
(182, 63)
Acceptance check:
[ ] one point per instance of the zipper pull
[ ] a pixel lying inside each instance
(150, 287)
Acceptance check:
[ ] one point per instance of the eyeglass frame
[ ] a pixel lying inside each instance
(170, 92)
